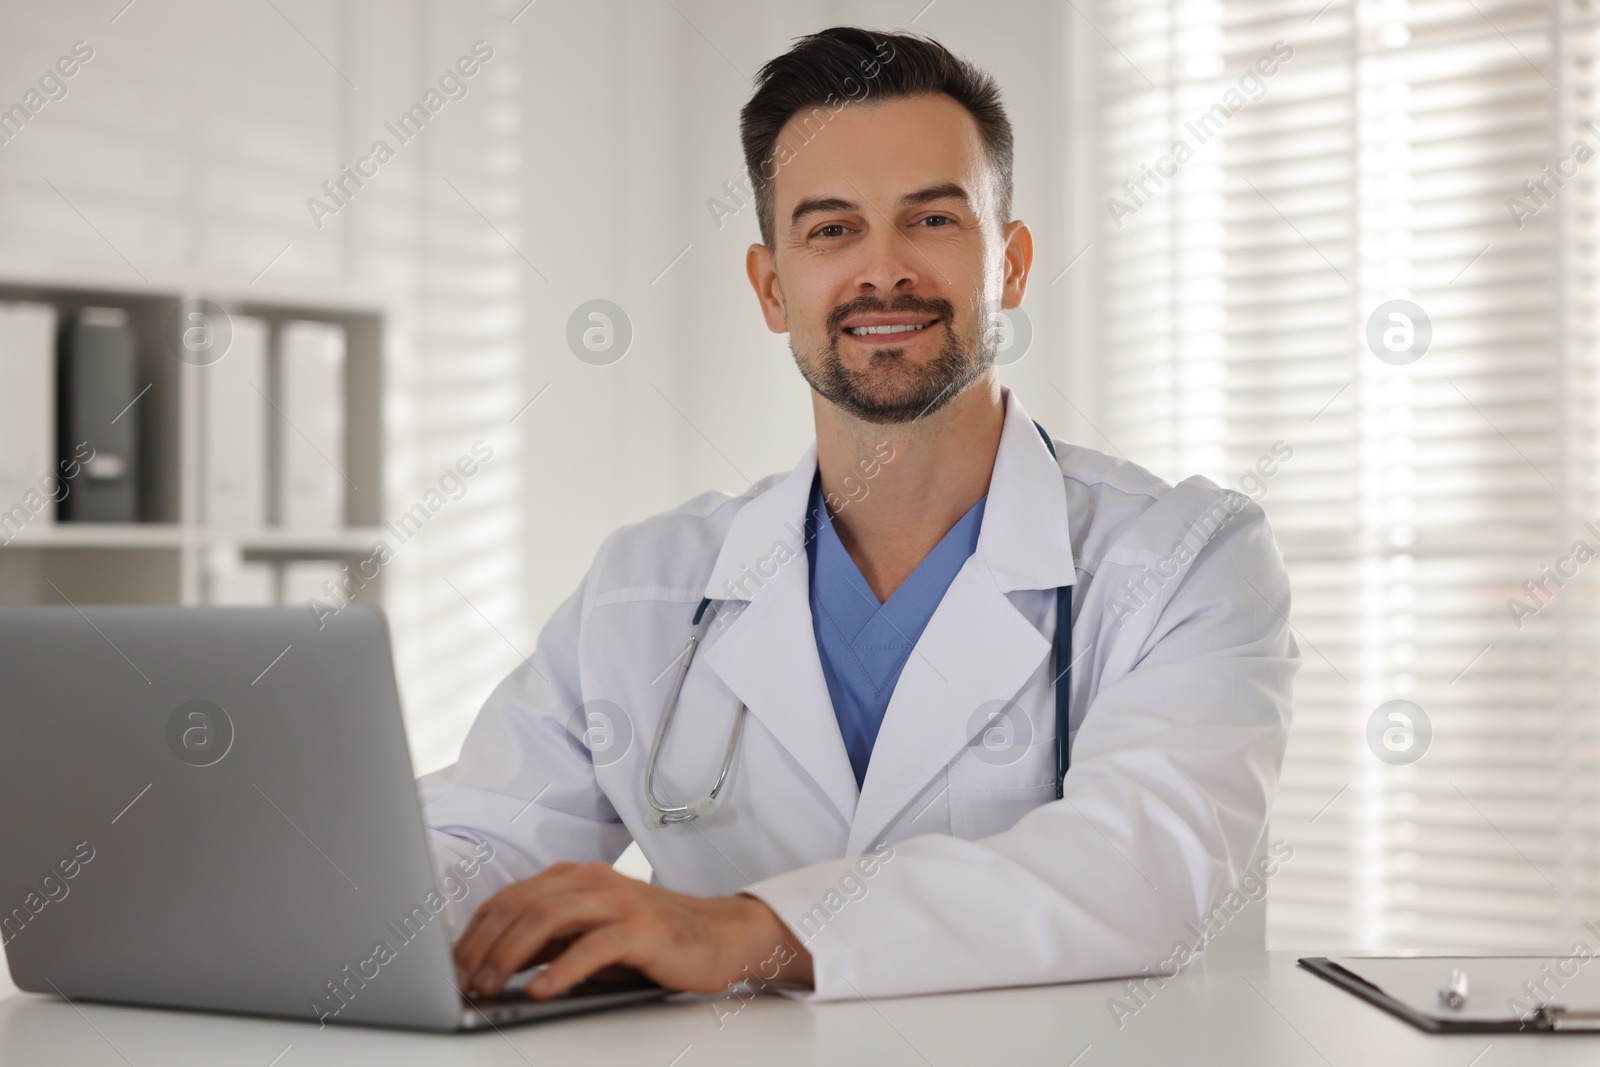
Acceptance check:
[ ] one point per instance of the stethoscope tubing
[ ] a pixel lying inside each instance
(669, 813)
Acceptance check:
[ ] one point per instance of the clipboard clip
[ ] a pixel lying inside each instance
(1550, 1017)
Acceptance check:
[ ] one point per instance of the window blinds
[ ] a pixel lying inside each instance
(1253, 223)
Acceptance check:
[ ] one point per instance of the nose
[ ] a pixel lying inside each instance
(888, 264)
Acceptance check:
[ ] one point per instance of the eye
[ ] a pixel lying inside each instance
(831, 229)
(937, 221)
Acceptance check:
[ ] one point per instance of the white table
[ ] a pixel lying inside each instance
(1237, 1009)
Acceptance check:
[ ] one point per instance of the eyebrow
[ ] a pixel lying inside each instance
(816, 205)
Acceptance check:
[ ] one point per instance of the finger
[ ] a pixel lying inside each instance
(601, 947)
(564, 917)
(475, 921)
(515, 904)
(545, 878)
(499, 913)
(470, 933)
(552, 948)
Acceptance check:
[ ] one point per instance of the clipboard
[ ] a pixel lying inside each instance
(1408, 987)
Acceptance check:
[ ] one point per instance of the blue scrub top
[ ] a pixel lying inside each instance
(864, 644)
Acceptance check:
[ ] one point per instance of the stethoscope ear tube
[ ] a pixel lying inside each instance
(1063, 683)
(1061, 662)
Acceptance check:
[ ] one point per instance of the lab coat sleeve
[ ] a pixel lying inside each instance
(523, 789)
(1173, 771)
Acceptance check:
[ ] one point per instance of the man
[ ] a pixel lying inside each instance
(885, 613)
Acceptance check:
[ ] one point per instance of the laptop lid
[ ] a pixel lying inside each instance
(214, 808)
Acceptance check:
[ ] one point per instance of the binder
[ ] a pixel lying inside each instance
(310, 428)
(1502, 994)
(29, 477)
(97, 389)
(234, 420)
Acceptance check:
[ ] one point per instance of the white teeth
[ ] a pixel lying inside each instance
(862, 331)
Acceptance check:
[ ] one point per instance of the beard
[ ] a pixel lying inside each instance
(892, 388)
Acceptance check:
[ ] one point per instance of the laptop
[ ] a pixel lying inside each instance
(214, 808)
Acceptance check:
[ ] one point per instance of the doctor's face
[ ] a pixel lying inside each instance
(887, 249)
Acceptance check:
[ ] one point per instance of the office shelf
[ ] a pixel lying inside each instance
(349, 539)
(165, 558)
(171, 535)
(98, 535)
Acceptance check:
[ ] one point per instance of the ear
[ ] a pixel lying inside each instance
(1018, 262)
(763, 272)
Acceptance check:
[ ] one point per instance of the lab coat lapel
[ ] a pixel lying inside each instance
(977, 647)
(768, 654)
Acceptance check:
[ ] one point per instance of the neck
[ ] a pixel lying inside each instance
(895, 490)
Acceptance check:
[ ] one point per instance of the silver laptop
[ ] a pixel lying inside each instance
(213, 808)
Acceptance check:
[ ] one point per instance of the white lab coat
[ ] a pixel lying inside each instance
(952, 867)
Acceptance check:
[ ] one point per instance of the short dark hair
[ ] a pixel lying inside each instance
(827, 70)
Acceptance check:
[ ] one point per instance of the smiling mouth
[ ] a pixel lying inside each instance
(879, 331)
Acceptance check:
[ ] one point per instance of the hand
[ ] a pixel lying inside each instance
(583, 918)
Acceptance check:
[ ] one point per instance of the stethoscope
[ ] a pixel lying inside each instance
(667, 814)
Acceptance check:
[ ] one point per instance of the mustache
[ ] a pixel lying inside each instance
(864, 304)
